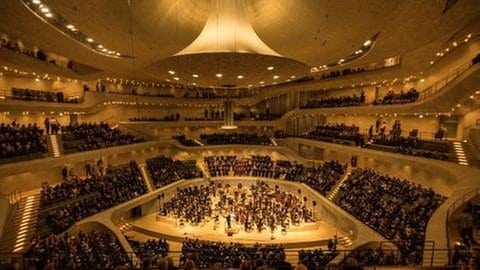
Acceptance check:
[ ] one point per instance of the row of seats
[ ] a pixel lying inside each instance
(321, 178)
(42, 95)
(21, 142)
(91, 136)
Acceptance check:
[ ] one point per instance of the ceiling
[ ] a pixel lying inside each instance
(310, 32)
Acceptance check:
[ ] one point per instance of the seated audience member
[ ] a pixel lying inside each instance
(397, 209)
(95, 194)
(205, 254)
(183, 140)
(21, 141)
(88, 136)
(164, 170)
(410, 145)
(94, 250)
(152, 253)
(411, 95)
(315, 259)
(234, 138)
(336, 133)
(342, 101)
(344, 72)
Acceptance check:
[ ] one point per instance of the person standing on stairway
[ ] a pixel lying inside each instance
(47, 125)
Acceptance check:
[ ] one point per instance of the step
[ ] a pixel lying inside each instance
(334, 192)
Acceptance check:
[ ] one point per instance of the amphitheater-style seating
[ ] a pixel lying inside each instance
(321, 178)
(235, 138)
(42, 95)
(342, 101)
(91, 136)
(336, 133)
(206, 254)
(397, 209)
(164, 170)
(93, 250)
(150, 252)
(100, 192)
(21, 142)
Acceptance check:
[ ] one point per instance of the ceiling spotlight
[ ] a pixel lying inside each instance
(49, 15)
(469, 35)
(262, 82)
(293, 76)
(422, 80)
(240, 77)
(117, 54)
(195, 75)
(36, 2)
(70, 26)
(104, 50)
(45, 10)
(100, 46)
(171, 72)
(455, 44)
(219, 75)
(89, 40)
(176, 78)
(270, 68)
(466, 40)
(367, 43)
(431, 62)
(276, 77)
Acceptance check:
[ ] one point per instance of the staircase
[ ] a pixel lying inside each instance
(146, 177)
(459, 150)
(21, 225)
(332, 195)
(54, 149)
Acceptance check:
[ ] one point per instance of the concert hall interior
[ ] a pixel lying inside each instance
(239, 134)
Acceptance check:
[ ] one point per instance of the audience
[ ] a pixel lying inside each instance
(397, 209)
(235, 138)
(467, 249)
(164, 170)
(321, 178)
(171, 118)
(410, 145)
(100, 192)
(152, 253)
(91, 136)
(316, 259)
(184, 141)
(21, 141)
(344, 72)
(205, 254)
(342, 101)
(376, 256)
(42, 95)
(391, 98)
(336, 133)
(37, 53)
(94, 250)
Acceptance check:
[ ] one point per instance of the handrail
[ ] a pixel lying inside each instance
(441, 83)
(454, 206)
(341, 255)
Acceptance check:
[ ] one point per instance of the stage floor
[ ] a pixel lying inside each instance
(302, 236)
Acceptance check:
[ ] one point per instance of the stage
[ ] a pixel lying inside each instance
(312, 234)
